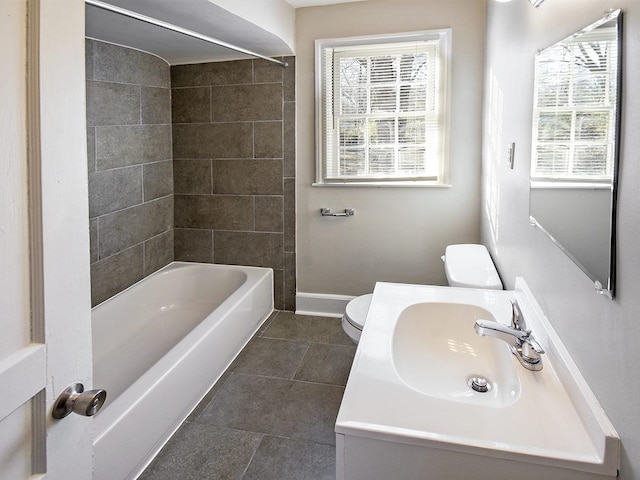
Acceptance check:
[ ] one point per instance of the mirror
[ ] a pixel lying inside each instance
(575, 146)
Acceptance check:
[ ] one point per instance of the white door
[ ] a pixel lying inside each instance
(45, 333)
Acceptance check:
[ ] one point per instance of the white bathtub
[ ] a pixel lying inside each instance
(159, 346)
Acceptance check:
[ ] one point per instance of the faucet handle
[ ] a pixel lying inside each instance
(533, 344)
(530, 352)
(517, 319)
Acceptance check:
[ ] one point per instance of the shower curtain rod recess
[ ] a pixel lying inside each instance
(174, 28)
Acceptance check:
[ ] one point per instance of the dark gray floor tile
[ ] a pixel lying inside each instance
(276, 406)
(311, 412)
(307, 328)
(202, 451)
(206, 400)
(325, 363)
(296, 417)
(223, 378)
(248, 402)
(285, 459)
(271, 357)
(266, 323)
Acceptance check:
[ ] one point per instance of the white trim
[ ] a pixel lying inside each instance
(321, 304)
(22, 375)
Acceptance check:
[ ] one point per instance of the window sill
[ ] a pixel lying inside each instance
(383, 184)
(401, 184)
(560, 185)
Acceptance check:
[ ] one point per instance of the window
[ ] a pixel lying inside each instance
(574, 109)
(381, 106)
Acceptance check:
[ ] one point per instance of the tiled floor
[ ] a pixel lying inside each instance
(271, 416)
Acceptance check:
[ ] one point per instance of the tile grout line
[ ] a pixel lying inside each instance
(253, 455)
(306, 382)
(301, 362)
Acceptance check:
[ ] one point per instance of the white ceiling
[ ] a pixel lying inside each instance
(202, 16)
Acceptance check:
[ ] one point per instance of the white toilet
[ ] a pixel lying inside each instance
(465, 265)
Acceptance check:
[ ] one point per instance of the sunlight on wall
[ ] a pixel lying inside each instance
(495, 117)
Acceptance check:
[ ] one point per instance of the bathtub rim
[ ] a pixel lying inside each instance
(175, 265)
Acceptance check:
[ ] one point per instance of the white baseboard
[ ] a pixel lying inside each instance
(321, 304)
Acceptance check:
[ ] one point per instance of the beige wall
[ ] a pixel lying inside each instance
(397, 234)
(601, 335)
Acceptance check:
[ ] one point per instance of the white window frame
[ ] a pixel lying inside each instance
(443, 37)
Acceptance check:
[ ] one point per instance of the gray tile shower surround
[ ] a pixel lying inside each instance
(271, 416)
(130, 166)
(190, 162)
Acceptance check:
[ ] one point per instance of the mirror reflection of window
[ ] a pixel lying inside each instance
(574, 108)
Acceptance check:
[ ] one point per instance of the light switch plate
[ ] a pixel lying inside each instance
(511, 153)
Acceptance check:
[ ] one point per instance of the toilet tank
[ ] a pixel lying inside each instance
(469, 265)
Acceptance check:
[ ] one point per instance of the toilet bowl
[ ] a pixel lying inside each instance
(465, 265)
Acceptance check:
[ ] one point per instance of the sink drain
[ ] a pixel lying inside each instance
(479, 384)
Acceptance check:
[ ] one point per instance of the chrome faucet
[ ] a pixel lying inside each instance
(526, 349)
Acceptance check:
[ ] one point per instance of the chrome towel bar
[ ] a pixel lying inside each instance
(348, 212)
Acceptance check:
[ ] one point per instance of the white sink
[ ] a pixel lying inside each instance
(408, 412)
(436, 351)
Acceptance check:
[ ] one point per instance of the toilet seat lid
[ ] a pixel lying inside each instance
(357, 309)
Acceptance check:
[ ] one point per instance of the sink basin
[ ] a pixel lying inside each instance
(436, 351)
(408, 412)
